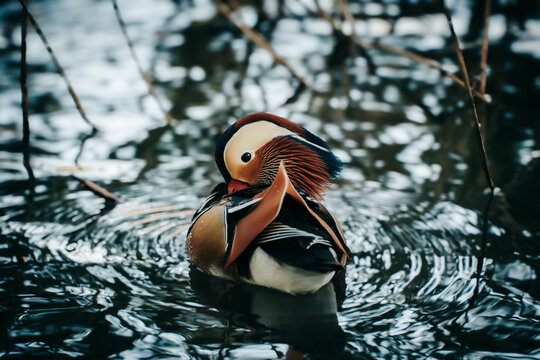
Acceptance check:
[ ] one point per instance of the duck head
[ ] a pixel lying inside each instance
(249, 153)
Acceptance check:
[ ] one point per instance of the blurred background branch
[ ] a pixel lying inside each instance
(388, 48)
(92, 278)
(59, 67)
(146, 77)
(485, 45)
(24, 101)
(465, 74)
(63, 74)
(257, 38)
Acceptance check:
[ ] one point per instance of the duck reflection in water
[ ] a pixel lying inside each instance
(307, 323)
(265, 225)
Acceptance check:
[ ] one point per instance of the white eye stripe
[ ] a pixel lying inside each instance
(310, 143)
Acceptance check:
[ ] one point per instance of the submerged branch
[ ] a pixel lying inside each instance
(59, 67)
(258, 39)
(96, 189)
(24, 102)
(463, 67)
(146, 77)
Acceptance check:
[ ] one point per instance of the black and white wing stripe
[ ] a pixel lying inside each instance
(278, 231)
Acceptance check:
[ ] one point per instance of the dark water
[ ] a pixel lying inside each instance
(435, 273)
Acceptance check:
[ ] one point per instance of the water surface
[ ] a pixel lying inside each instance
(435, 272)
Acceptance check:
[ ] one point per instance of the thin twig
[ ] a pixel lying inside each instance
(419, 58)
(463, 67)
(344, 6)
(146, 77)
(399, 52)
(429, 62)
(83, 138)
(59, 67)
(483, 62)
(258, 39)
(96, 189)
(328, 18)
(24, 102)
(346, 14)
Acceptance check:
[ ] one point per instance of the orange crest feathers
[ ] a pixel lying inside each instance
(307, 165)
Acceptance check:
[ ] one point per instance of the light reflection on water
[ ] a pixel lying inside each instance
(95, 279)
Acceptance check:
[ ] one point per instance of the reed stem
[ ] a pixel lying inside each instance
(24, 101)
(146, 77)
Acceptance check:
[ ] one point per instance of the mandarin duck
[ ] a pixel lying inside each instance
(265, 225)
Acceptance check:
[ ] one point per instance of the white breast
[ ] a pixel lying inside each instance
(265, 271)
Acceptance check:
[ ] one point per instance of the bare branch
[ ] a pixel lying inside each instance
(362, 48)
(328, 18)
(24, 102)
(96, 189)
(400, 52)
(419, 58)
(258, 39)
(146, 77)
(483, 62)
(429, 62)
(59, 67)
(463, 67)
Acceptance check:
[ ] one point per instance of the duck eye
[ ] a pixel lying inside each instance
(246, 157)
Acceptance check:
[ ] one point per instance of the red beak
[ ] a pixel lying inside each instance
(235, 185)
